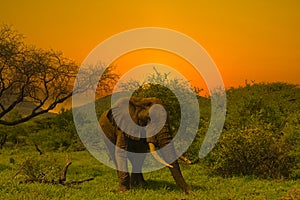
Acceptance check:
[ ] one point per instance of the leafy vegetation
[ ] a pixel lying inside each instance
(261, 133)
(173, 93)
(256, 157)
(41, 79)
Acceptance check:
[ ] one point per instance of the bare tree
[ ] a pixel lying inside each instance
(42, 77)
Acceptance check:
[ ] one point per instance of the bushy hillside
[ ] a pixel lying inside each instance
(261, 134)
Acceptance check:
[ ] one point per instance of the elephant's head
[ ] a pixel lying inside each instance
(142, 117)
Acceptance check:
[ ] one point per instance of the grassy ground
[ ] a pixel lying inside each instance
(160, 183)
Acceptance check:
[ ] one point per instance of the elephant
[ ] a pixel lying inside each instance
(138, 140)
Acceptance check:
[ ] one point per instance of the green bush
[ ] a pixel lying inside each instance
(261, 132)
(56, 133)
(294, 140)
(161, 86)
(252, 151)
(42, 168)
(50, 139)
(16, 135)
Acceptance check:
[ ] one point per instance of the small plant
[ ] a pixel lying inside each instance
(45, 169)
(40, 168)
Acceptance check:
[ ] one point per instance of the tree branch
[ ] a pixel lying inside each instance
(43, 77)
(64, 170)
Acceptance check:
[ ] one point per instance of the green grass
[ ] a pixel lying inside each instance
(160, 183)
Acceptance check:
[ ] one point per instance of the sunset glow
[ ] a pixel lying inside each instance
(248, 40)
(140, 57)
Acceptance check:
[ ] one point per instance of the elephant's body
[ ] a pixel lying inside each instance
(136, 142)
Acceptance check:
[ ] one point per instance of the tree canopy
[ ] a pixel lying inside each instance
(41, 77)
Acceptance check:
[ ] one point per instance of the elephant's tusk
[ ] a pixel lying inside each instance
(187, 161)
(156, 156)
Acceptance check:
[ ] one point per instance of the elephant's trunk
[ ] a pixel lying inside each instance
(170, 156)
(163, 139)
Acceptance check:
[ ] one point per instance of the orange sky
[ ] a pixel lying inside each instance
(179, 64)
(253, 40)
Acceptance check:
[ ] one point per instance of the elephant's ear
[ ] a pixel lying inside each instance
(125, 115)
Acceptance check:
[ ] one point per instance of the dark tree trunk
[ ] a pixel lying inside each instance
(3, 140)
(38, 149)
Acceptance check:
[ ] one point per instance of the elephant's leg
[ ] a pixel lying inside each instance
(139, 148)
(108, 135)
(110, 146)
(121, 161)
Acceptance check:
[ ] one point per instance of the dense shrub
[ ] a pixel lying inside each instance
(161, 86)
(261, 132)
(56, 133)
(43, 168)
(16, 135)
(294, 140)
(50, 139)
(252, 151)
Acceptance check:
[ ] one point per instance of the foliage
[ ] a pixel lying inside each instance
(260, 132)
(50, 140)
(102, 105)
(44, 168)
(252, 152)
(294, 141)
(57, 133)
(179, 100)
(31, 74)
(40, 79)
(16, 135)
(172, 92)
(261, 135)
